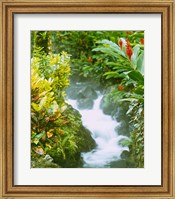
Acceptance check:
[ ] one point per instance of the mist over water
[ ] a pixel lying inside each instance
(103, 132)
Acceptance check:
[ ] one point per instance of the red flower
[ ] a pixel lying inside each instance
(128, 49)
(90, 60)
(120, 87)
(142, 40)
(120, 44)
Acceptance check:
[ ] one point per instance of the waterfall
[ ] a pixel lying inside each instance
(103, 132)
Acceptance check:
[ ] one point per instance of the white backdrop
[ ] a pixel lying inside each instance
(151, 173)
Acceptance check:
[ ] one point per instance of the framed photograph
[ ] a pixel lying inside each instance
(87, 92)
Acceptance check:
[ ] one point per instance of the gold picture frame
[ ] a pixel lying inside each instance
(11, 7)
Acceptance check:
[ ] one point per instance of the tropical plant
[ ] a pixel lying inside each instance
(113, 59)
(124, 66)
(54, 127)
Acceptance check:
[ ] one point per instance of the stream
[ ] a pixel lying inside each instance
(103, 132)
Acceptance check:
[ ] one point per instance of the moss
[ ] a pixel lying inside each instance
(83, 142)
(44, 162)
(86, 143)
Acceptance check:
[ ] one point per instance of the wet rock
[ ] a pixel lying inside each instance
(44, 162)
(90, 93)
(119, 164)
(85, 103)
(74, 91)
(108, 108)
(81, 91)
(87, 143)
(123, 128)
(125, 154)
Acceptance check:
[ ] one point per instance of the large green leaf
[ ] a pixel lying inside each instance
(132, 99)
(112, 46)
(119, 65)
(65, 140)
(140, 63)
(106, 50)
(136, 76)
(125, 142)
(38, 137)
(139, 90)
(128, 100)
(114, 74)
(136, 51)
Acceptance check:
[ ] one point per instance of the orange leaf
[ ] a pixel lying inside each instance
(90, 60)
(120, 87)
(49, 134)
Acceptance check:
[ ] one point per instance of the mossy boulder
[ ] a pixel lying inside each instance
(108, 108)
(85, 103)
(79, 136)
(43, 162)
(87, 143)
(119, 164)
(123, 128)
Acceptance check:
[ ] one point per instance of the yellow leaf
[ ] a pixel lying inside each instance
(61, 132)
(49, 134)
(48, 145)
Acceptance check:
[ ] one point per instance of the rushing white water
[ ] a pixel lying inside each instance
(103, 132)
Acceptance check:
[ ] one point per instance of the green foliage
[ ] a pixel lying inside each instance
(120, 64)
(136, 145)
(80, 44)
(54, 125)
(54, 68)
(41, 40)
(129, 70)
(125, 142)
(114, 59)
(44, 162)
